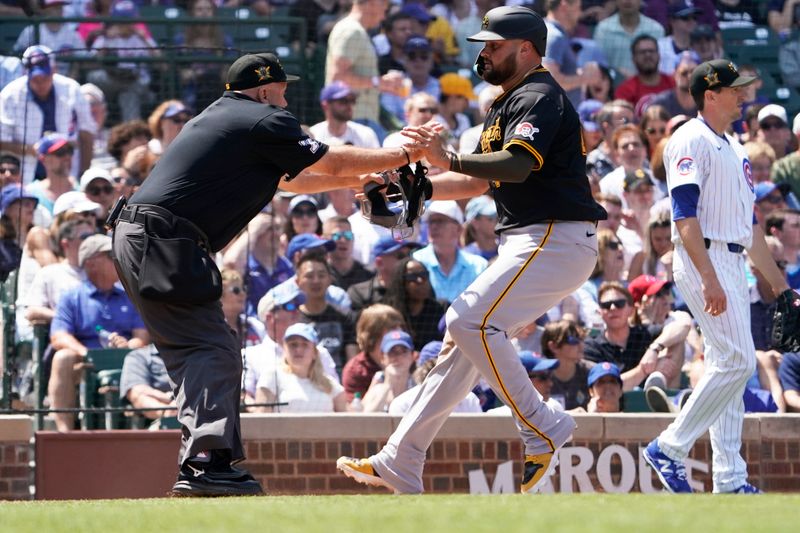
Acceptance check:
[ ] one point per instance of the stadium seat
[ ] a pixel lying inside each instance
(634, 402)
(163, 32)
(100, 386)
(9, 32)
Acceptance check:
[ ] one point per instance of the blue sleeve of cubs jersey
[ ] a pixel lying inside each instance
(684, 201)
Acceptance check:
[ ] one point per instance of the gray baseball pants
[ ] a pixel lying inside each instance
(536, 267)
(200, 351)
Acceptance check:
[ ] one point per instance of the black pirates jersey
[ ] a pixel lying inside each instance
(536, 116)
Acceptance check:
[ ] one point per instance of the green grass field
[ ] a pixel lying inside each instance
(430, 513)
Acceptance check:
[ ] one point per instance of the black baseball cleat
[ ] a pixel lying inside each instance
(197, 479)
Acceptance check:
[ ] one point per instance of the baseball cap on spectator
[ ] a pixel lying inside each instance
(176, 108)
(93, 245)
(773, 110)
(534, 363)
(635, 179)
(301, 329)
(587, 110)
(387, 245)
(288, 294)
(90, 90)
(687, 56)
(448, 208)
(335, 91)
(302, 199)
(765, 188)
(37, 60)
(124, 8)
(50, 143)
(95, 173)
(75, 201)
(417, 43)
(702, 32)
(682, 8)
(396, 337)
(454, 85)
(307, 241)
(601, 370)
(480, 206)
(676, 122)
(254, 70)
(417, 11)
(429, 351)
(646, 285)
(13, 192)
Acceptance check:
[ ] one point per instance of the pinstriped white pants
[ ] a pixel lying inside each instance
(716, 403)
(536, 267)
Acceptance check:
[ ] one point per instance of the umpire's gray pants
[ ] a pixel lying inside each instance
(199, 350)
(536, 267)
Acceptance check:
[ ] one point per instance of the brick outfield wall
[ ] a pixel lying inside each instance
(296, 454)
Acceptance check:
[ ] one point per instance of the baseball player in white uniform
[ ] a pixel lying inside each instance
(711, 189)
(532, 157)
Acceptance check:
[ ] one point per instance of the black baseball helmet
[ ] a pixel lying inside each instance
(507, 22)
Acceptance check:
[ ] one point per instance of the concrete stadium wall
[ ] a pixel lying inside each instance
(296, 454)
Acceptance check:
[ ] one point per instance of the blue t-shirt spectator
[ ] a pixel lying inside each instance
(81, 309)
(464, 271)
(260, 280)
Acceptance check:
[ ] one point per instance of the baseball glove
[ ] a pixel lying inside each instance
(407, 194)
(786, 322)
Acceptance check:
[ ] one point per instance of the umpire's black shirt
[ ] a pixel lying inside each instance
(226, 163)
(536, 116)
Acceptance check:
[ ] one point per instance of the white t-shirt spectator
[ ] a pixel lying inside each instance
(401, 404)
(300, 394)
(355, 134)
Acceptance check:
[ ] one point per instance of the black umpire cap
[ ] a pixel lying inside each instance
(253, 70)
(507, 22)
(716, 74)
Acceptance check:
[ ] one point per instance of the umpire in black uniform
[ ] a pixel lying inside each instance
(221, 170)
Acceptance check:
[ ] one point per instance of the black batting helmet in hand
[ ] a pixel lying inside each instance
(507, 22)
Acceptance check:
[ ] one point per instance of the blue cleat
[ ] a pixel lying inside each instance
(747, 488)
(671, 473)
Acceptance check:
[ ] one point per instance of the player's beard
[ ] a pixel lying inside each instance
(500, 72)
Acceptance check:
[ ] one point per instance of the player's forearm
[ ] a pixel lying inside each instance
(309, 183)
(505, 165)
(762, 259)
(456, 186)
(349, 161)
(692, 239)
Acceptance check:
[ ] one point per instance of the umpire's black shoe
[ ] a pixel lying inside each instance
(197, 479)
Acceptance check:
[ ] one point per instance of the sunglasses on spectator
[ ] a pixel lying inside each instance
(339, 235)
(416, 277)
(400, 255)
(541, 376)
(94, 190)
(307, 212)
(422, 56)
(619, 304)
(85, 235)
(652, 131)
(687, 18)
(430, 110)
(345, 101)
(236, 290)
(773, 199)
(11, 170)
(614, 245)
(573, 340)
(63, 152)
(772, 125)
(179, 120)
(782, 264)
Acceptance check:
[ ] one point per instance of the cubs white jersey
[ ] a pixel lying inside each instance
(719, 166)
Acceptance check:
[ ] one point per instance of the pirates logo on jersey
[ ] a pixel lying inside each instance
(490, 134)
(748, 173)
(526, 130)
(685, 166)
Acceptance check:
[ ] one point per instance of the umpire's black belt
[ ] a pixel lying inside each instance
(163, 223)
(732, 246)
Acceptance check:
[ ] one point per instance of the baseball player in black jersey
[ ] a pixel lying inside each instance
(532, 158)
(220, 171)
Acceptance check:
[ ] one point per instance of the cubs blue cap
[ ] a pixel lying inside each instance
(601, 370)
(306, 241)
(396, 337)
(301, 329)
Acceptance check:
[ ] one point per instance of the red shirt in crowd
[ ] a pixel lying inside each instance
(357, 374)
(633, 89)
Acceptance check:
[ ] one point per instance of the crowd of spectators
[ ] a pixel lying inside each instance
(333, 313)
